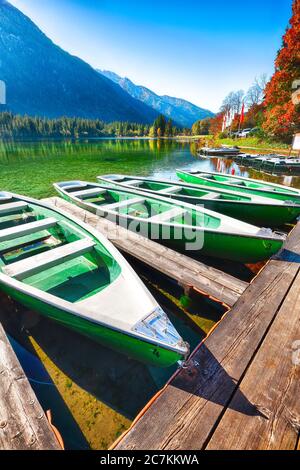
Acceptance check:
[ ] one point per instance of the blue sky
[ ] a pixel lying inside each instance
(199, 50)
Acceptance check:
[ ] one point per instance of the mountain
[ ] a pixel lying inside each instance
(44, 80)
(181, 111)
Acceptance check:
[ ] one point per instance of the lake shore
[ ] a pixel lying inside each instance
(246, 144)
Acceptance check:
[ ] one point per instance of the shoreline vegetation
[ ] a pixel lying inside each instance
(252, 143)
(19, 127)
(28, 129)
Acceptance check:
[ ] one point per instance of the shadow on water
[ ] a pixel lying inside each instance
(187, 308)
(123, 384)
(49, 397)
(97, 391)
(110, 377)
(94, 367)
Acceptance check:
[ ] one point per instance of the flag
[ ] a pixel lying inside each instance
(242, 117)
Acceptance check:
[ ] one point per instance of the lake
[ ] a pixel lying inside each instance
(97, 391)
(30, 168)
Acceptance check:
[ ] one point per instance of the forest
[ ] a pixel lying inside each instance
(28, 127)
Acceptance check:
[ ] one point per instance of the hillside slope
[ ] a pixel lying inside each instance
(181, 111)
(44, 80)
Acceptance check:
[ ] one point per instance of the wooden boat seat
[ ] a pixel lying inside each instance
(211, 196)
(6, 198)
(6, 209)
(171, 190)
(168, 215)
(37, 263)
(26, 229)
(125, 203)
(203, 175)
(74, 186)
(31, 239)
(89, 192)
(134, 182)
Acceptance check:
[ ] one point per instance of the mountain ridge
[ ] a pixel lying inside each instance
(44, 80)
(179, 110)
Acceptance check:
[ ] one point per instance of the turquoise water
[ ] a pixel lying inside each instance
(30, 168)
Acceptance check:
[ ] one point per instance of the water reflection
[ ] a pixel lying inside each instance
(30, 168)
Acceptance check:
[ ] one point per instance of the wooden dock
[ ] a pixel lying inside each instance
(23, 423)
(241, 387)
(189, 273)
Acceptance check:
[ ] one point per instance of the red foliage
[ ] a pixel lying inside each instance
(254, 116)
(216, 124)
(282, 117)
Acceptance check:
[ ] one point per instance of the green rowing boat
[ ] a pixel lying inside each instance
(72, 274)
(249, 208)
(241, 184)
(174, 223)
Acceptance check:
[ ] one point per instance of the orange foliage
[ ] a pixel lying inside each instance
(282, 117)
(216, 124)
(254, 116)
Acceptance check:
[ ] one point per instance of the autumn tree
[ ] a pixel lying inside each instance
(256, 93)
(216, 123)
(201, 127)
(282, 116)
(254, 116)
(233, 102)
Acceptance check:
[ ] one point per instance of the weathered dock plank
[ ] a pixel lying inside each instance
(188, 272)
(23, 423)
(271, 419)
(187, 413)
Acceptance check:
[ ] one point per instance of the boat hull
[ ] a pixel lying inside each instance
(243, 249)
(131, 346)
(256, 213)
(233, 247)
(270, 164)
(264, 215)
(220, 152)
(282, 168)
(194, 179)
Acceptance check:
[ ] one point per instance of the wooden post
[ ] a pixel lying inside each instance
(23, 423)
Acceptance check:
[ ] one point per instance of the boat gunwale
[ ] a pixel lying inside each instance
(264, 203)
(67, 306)
(277, 237)
(64, 305)
(289, 192)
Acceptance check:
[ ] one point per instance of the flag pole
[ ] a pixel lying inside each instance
(242, 116)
